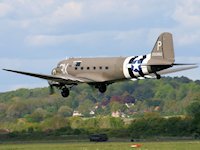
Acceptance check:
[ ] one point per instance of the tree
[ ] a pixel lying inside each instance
(116, 106)
(38, 115)
(55, 122)
(86, 107)
(65, 111)
(76, 122)
(193, 110)
(3, 108)
(17, 109)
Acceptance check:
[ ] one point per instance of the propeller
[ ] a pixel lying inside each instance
(51, 90)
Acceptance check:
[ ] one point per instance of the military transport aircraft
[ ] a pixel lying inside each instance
(102, 71)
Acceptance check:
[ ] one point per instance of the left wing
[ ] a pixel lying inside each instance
(67, 79)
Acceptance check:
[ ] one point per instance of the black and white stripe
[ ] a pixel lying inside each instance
(129, 61)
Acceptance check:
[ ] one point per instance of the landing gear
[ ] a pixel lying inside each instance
(102, 88)
(65, 89)
(65, 92)
(157, 76)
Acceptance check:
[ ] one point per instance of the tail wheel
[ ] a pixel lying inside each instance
(65, 92)
(102, 88)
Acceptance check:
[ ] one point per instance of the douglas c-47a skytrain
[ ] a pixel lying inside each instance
(102, 71)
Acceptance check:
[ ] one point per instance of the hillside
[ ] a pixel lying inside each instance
(33, 113)
(169, 96)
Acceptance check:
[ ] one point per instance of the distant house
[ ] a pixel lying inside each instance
(157, 108)
(128, 105)
(92, 112)
(116, 114)
(77, 114)
(96, 107)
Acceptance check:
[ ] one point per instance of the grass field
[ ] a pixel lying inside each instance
(183, 145)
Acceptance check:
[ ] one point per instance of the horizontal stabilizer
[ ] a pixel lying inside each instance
(172, 70)
(167, 64)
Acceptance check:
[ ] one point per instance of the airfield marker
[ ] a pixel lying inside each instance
(136, 145)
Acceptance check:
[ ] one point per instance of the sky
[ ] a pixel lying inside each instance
(36, 34)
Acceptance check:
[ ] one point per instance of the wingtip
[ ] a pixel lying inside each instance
(5, 69)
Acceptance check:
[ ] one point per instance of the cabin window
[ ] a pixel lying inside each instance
(76, 68)
(77, 63)
(88, 68)
(106, 67)
(100, 67)
(94, 68)
(81, 68)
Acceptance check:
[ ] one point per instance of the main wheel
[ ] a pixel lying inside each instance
(158, 76)
(102, 88)
(65, 92)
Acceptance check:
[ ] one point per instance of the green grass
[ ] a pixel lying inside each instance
(183, 145)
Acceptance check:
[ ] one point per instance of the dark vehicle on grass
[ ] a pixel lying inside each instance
(98, 138)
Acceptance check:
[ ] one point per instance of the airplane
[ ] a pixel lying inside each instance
(99, 72)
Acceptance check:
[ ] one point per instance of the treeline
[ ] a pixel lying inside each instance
(35, 111)
(153, 125)
(76, 128)
(168, 96)
(150, 125)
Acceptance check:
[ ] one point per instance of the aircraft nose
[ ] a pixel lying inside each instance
(54, 71)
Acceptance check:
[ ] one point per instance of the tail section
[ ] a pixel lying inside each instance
(163, 51)
(156, 63)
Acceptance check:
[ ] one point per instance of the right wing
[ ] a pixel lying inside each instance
(65, 79)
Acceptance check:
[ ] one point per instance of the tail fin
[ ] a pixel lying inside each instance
(163, 51)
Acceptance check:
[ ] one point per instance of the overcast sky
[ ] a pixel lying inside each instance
(36, 34)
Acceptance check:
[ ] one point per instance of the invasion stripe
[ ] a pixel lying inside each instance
(129, 69)
(140, 71)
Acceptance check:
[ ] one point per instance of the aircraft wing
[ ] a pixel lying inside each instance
(67, 79)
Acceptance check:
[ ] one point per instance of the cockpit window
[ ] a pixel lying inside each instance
(77, 63)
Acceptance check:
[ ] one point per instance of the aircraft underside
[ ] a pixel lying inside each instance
(65, 89)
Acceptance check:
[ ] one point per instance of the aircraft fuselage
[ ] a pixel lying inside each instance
(104, 69)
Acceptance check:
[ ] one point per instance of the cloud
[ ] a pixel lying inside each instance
(110, 8)
(47, 15)
(187, 13)
(54, 28)
(188, 38)
(89, 37)
(187, 17)
(193, 59)
(70, 11)
(38, 65)
(5, 9)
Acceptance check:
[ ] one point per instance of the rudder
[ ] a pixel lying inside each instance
(163, 50)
